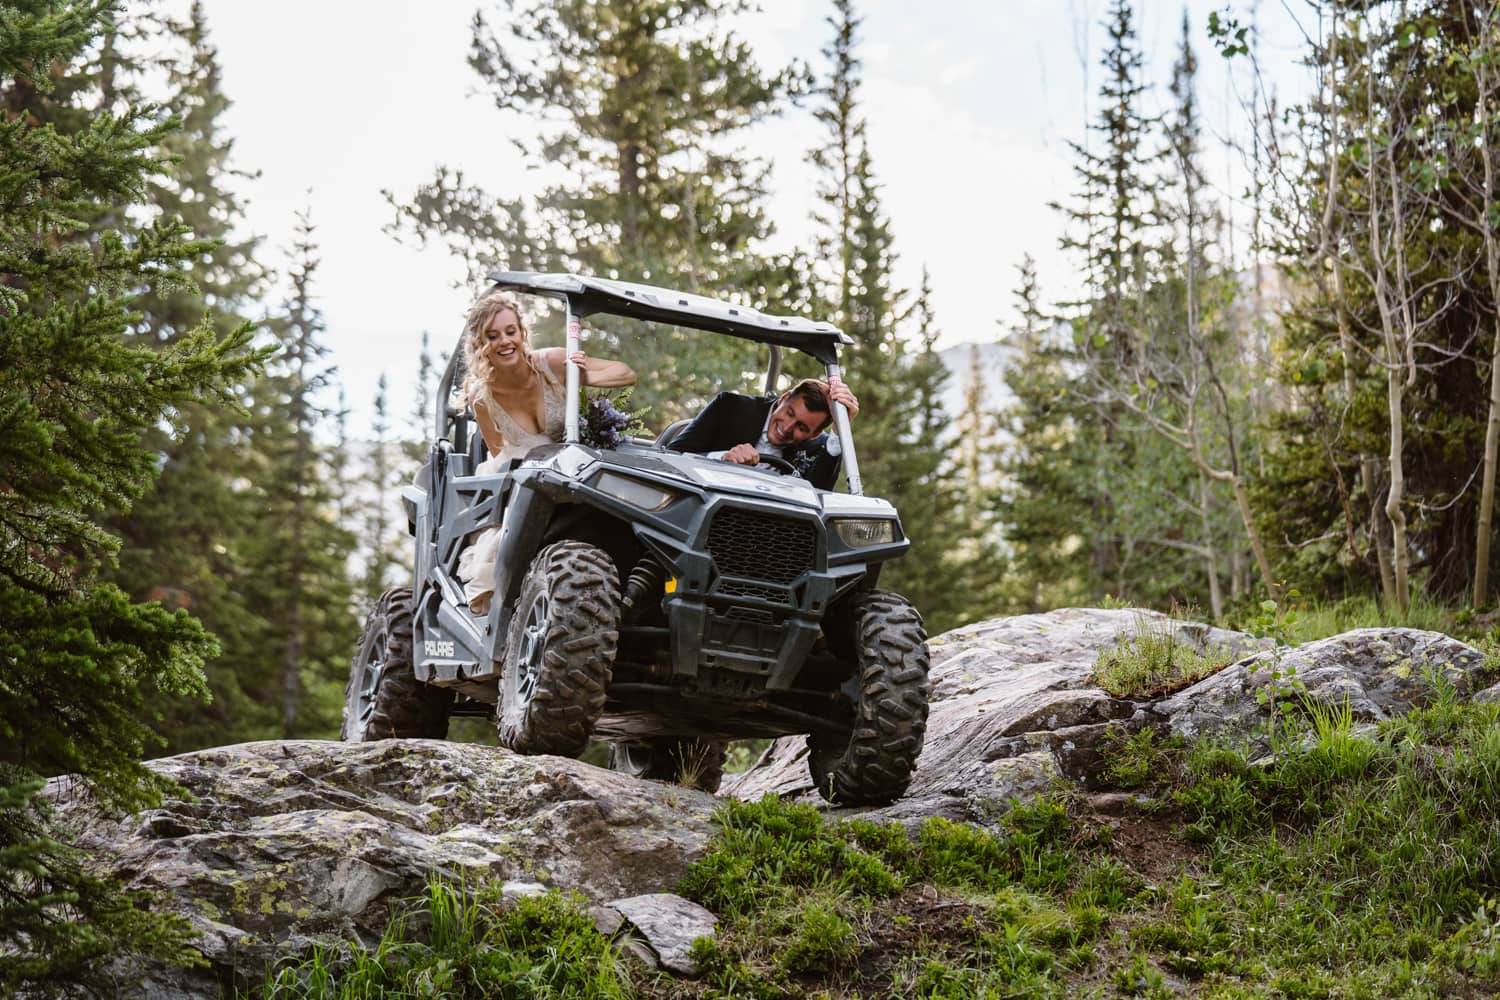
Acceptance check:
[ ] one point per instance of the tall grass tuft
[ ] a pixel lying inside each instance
(459, 943)
(1155, 661)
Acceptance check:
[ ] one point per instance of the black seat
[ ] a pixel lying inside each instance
(667, 436)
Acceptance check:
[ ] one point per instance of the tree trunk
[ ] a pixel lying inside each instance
(1210, 557)
(1492, 263)
(1379, 525)
(1395, 382)
(1395, 325)
(1393, 509)
(1257, 547)
(1491, 447)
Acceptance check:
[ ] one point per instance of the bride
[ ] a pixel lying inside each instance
(519, 402)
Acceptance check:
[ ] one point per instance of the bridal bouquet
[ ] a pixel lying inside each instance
(607, 421)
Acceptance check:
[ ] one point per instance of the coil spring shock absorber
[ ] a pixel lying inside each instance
(645, 581)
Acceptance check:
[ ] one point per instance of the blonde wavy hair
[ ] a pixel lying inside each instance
(477, 365)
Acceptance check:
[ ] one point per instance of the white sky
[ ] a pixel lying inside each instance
(970, 104)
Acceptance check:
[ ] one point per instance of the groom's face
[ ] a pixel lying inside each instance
(792, 422)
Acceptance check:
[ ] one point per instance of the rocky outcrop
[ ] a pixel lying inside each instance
(285, 845)
(289, 844)
(1376, 674)
(1014, 709)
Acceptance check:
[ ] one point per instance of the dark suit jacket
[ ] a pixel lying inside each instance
(732, 418)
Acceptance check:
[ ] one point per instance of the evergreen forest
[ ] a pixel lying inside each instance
(1256, 404)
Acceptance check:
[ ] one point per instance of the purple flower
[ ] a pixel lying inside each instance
(606, 425)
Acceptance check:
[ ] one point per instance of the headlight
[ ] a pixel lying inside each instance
(859, 532)
(634, 492)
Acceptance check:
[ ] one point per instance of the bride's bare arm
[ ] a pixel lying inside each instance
(597, 372)
(492, 439)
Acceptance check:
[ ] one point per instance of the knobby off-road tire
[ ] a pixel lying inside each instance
(695, 763)
(890, 654)
(384, 698)
(560, 650)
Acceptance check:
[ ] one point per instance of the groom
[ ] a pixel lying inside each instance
(739, 428)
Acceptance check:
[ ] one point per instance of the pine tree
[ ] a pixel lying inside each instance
(183, 542)
(85, 665)
(383, 558)
(1115, 228)
(298, 566)
(901, 431)
(651, 99)
(954, 568)
(1175, 391)
(873, 312)
(857, 241)
(1112, 213)
(837, 159)
(1044, 500)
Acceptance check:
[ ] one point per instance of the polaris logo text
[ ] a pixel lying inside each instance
(438, 647)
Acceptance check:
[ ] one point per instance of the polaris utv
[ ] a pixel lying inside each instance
(663, 602)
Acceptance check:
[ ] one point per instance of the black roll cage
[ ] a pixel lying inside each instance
(583, 295)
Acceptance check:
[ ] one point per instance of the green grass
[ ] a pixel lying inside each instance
(1155, 661)
(1318, 620)
(460, 944)
(1297, 620)
(1138, 759)
(804, 900)
(1355, 862)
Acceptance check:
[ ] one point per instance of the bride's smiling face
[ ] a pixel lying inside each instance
(505, 341)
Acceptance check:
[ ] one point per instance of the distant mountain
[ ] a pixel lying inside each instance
(959, 360)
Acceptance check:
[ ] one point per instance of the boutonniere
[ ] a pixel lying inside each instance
(802, 460)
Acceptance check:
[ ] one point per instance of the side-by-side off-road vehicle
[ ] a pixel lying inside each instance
(665, 603)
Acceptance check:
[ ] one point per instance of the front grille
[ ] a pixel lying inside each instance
(740, 588)
(747, 543)
(756, 616)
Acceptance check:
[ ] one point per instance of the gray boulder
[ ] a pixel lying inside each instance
(287, 845)
(1014, 710)
(1373, 673)
(669, 925)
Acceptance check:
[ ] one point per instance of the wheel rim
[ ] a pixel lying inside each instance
(375, 661)
(533, 647)
(633, 758)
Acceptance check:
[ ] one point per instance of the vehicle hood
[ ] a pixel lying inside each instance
(718, 476)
